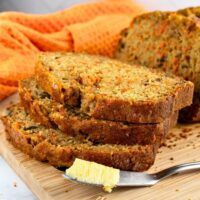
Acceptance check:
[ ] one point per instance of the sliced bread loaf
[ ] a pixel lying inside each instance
(52, 146)
(109, 89)
(191, 113)
(72, 122)
(163, 40)
(170, 42)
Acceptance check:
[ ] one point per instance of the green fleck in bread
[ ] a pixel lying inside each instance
(166, 41)
(72, 122)
(109, 89)
(58, 149)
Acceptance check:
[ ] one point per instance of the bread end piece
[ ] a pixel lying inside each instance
(52, 146)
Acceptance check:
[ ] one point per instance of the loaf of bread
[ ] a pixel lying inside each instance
(191, 113)
(72, 122)
(167, 41)
(163, 40)
(111, 90)
(60, 150)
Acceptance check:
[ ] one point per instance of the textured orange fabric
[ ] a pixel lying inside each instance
(93, 28)
(5, 91)
(87, 39)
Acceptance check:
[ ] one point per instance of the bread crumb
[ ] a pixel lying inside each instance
(183, 135)
(11, 103)
(186, 130)
(14, 184)
(171, 158)
(169, 146)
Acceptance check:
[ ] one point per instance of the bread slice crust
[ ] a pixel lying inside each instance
(60, 150)
(147, 96)
(72, 122)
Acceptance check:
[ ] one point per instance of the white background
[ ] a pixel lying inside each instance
(46, 6)
(7, 176)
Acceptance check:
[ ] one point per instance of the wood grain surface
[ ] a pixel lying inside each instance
(47, 182)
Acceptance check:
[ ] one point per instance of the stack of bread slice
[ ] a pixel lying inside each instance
(97, 109)
(167, 41)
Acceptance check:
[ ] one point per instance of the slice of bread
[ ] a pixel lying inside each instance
(72, 122)
(166, 41)
(191, 113)
(60, 150)
(163, 40)
(109, 89)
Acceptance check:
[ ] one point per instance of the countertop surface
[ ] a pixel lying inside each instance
(11, 186)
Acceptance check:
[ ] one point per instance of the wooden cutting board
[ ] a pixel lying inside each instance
(47, 182)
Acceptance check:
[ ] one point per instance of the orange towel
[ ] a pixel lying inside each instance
(93, 28)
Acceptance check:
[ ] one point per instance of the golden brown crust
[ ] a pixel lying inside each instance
(140, 112)
(49, 113)
(48, 148)
(101, 107)
(190, 12)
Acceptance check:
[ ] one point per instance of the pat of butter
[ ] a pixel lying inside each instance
(94, 173)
